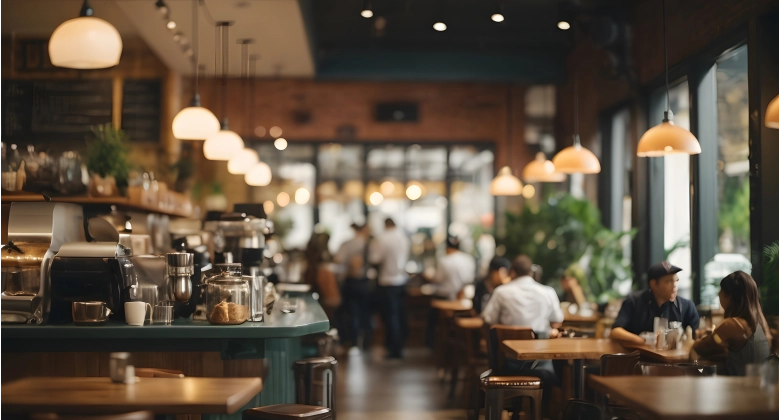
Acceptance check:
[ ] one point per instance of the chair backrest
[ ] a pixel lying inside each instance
(658, 369)
(694, 369)
(581, 410)
(496, 335)
(620, 364)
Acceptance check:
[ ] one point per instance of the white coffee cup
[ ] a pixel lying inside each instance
(135, 313)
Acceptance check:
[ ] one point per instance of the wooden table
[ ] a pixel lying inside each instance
(681, 355)
(576, 349)
(452, 305)
(469, 323)
(98, 395)
(690, 398)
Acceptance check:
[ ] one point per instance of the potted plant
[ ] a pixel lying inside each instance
(769, 289)
(107, 161)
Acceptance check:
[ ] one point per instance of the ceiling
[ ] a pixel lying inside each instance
(328, 39)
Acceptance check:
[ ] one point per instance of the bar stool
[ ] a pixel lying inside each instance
(288, 412)
(497, 387)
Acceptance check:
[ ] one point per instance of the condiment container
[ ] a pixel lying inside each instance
(228, 299)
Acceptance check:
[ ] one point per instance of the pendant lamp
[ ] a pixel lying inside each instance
(667, 138)
(85, 42)
(225, 143)
(576, 159)
(195, 122)
(242, 161)
(772, 114)
(259, 175)
(505, 183)
(541, 170)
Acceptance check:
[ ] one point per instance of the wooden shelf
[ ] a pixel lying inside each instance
(122, 202)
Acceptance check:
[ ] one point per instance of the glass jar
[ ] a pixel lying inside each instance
(227, 299)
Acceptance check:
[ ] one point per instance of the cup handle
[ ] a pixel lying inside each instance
(151, 313)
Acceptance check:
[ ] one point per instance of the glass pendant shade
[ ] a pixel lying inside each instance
(667, 139)
(772, 113)
(541, 170)
(223, 145)
(576, 159)
(242, 161)
(259, 175)
(85, 42)
(505, 183)
(195, 123)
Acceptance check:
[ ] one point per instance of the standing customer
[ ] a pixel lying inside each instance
(743, 337)
(356, 291)
(390, 252)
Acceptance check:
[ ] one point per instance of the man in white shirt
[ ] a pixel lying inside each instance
(455, 270)
(523, 302)
(355, 305)
(390, 252)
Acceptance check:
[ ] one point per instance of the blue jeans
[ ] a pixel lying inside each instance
(392, 308)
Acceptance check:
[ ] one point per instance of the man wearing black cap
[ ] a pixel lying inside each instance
(641, 308)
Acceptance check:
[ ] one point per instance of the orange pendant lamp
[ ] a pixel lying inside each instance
(666, 138)
(772, 114)
(576, 159)
(541, 169)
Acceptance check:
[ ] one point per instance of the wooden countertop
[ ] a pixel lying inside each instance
(122, 202)
(690, 398)
(101, 396)
(561, 348)
(469, 323)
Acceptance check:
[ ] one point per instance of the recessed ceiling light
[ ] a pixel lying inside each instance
(563, 25)
(439, 26)
(497, 17)
(367, 13)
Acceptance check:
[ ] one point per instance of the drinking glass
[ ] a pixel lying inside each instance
(163, 313)
(289, 305)
(150, 294)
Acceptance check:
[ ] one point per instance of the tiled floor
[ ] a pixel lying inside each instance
(370, 388)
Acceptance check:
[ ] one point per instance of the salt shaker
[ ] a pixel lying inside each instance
(121, 368)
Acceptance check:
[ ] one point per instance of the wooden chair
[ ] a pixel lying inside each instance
(498, 386)
(658, 369)
(581, 410)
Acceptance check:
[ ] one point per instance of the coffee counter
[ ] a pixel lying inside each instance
(195, 347)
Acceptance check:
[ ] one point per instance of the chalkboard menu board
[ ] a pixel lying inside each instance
(40, 111)
(141, 108)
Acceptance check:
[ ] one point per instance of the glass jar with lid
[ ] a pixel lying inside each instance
(227, 299)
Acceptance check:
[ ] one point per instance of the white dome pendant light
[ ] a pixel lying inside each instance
(259, 175)
(85, 42)
(576, 159)
(225, 143)
(505, 183)
(667, 138)
(195, 122)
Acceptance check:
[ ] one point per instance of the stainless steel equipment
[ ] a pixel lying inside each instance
(179, 269)
(90, 313)
(36, 232)
(247, 227)
(92, 271)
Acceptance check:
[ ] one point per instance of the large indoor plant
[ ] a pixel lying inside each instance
(564, 234)
(107, 161)
(769, 289)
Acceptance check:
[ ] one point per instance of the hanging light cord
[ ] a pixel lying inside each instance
(195, 57)
(668, 114)
(576, 141)
(225, 51)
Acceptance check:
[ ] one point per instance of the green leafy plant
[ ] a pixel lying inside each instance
(564, 235)
(769, 290)
(107, 153)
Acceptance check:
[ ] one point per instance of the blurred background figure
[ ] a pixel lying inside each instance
(319, 275)
(497, 274)
(356, 291)
(389, 251)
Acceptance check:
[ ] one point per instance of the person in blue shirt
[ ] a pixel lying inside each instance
(660, 300)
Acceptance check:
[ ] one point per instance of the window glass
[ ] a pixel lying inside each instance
(340, 191)
(733, 231)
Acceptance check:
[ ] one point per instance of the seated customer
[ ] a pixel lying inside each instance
(640, 308)
(742, 337)
(498, 274)
(523, 302)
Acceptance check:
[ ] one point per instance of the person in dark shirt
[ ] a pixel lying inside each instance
(497, 275)
(641, 308)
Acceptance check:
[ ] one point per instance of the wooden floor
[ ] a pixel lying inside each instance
(370, 388)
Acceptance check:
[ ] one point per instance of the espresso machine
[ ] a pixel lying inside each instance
(36, 232)
(92, 271)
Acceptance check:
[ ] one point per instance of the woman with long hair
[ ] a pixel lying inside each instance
(743, 336)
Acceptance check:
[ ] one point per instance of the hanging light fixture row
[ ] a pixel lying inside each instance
(667, 138)
(195, 122)
(85, 42)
